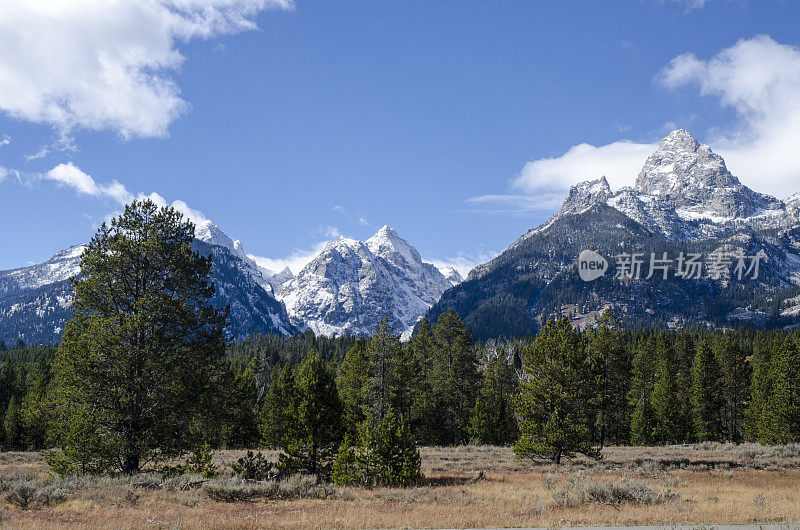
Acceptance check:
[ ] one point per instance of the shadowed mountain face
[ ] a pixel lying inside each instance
(685, 200)
(36, 301)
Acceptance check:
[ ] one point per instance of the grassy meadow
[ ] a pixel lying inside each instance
(468, 486)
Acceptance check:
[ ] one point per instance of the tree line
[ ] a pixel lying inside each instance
(144, 374)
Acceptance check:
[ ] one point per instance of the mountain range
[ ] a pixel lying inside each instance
(347, 289)
(685, 201)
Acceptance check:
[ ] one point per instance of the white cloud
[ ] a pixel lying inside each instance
(688, 5)
(195, 216)
(464, 262)
(5, 140)
(107, 64)
(71, 176)
(515, 204)
(759, 79)
(546, 181)
(297, 258)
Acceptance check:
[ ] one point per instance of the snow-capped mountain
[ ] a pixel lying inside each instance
(351, 285)
(685, 191)
(35, 301)
(684, 199)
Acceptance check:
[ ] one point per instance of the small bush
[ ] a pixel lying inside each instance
(294, 487)
(59, 463)
(384, 454)
(239, 492)
(253, 467)
(200, 462)
(577, 492)
(22, 495)
(52, 495)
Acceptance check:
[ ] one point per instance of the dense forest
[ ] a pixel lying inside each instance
(628, 387)
(144, 376)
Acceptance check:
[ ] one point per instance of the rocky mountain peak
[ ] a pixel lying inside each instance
(682, 166)
(387, 244)
(351, 285)
(586, 194)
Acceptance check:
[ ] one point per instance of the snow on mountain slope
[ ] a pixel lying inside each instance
(451, 273)
(351, 285)
(684, 192)
(35, 301)
(62, 266)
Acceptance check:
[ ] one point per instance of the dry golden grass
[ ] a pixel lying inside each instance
(707, 484)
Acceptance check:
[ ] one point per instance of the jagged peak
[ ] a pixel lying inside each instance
(682, 165)
(680, 138)
(208, 232)
(585, 195)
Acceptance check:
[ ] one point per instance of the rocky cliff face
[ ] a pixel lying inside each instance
(351, 285)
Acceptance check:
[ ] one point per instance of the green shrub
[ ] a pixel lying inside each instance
(200, 462)
(60, 464)
(384, 455)
(253, 466)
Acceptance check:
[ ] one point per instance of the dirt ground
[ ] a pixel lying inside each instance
(469, 486)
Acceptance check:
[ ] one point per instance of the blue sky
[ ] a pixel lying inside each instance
(453, 121)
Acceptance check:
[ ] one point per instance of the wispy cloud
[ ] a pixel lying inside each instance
(71, 176)
(513, 204)
(687, 5)
(298, 258)
(464, 262)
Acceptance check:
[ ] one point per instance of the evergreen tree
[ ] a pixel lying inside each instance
(34, 408)
(144, 348)
(351, 380)
(734, 386)
(384, 455)
(381, 388)
(782, 418)
(684, 354)
(760, 390)
(706, 401)
(664, 399)
(278, 408)
(242, 422)
(12, 426)
(315, 430)
(426, 425)
(455, 378)
(612, 378)
(493, 420)
(553, 405)
(643, 422)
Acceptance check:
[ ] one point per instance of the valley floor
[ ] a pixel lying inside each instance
(464, 487)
